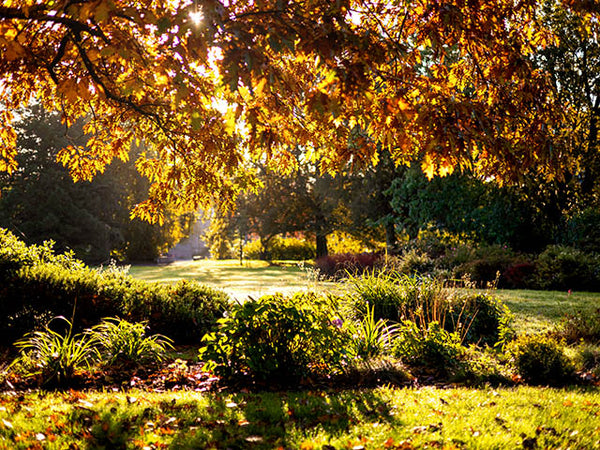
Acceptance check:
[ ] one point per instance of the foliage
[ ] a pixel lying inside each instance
(480, 319)
(377, 290)
(413, 262)
(583, 231)
(52, 357)
(140, 71)
(281, 249)
(124, 344)
(477, 318)
(540, 359)
(38, 283)
(587, 359)
(430, 348)
(580, 326)
(276, 340)
(371, 337)
(563, 268)
(41, 202)
(488, 265)
(340, 266)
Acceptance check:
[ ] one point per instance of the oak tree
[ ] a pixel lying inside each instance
(451, 82)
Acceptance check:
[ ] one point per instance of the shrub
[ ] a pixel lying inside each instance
(414, 262)
(37, 284)
(581, 327)
(479, 319)
(519, 276)
(587, 359)
(380, 290)
(52, 357)
(431, 349)
(339, 266)
(277, 340)
(540, 359)
(125, 345)
(282, 249)
(488, 264)
(562, 268)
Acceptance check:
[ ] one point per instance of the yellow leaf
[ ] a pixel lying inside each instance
(428, 167)
(260, 86)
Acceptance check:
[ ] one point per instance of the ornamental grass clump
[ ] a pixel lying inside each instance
(123, 344)
(52, 358)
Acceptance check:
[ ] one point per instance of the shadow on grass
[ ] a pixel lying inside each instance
(262, 421)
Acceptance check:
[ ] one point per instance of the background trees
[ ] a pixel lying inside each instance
(40, 201)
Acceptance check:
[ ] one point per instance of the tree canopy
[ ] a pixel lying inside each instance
(451, 82)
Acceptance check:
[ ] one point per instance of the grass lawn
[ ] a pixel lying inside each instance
(253, 278)
(523, 417)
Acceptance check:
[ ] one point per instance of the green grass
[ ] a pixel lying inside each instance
(455, 418)
(253, 278)
(540, 310)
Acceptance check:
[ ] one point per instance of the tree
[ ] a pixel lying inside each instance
(40, 201)
(451, 82)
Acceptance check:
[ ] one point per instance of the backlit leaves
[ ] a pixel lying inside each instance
(450, 82)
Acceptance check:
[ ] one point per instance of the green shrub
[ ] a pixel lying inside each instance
(487, 265)
(277, 340)
(414, 262)
(282, 249)
(52, 357)
(540, 359)
(479, 319)
(124, 344)
(587, 359)
(580, 326)
(430, 349)
(37, 284)
(563, 268)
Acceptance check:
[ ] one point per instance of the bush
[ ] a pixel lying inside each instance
(479, 319)
(276, 340)
(339, 266)
(540, 359)
(381, 291)
(587, 359)
(430, 349)
(413, 262)
(37, 284)
(488, 265)
(282, 249)
(519, 276)
(562, 268)
(581, 326)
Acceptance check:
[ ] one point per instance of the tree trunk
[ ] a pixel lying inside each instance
(322, 245)
(390, 237)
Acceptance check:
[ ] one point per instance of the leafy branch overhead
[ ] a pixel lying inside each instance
(451, 82)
